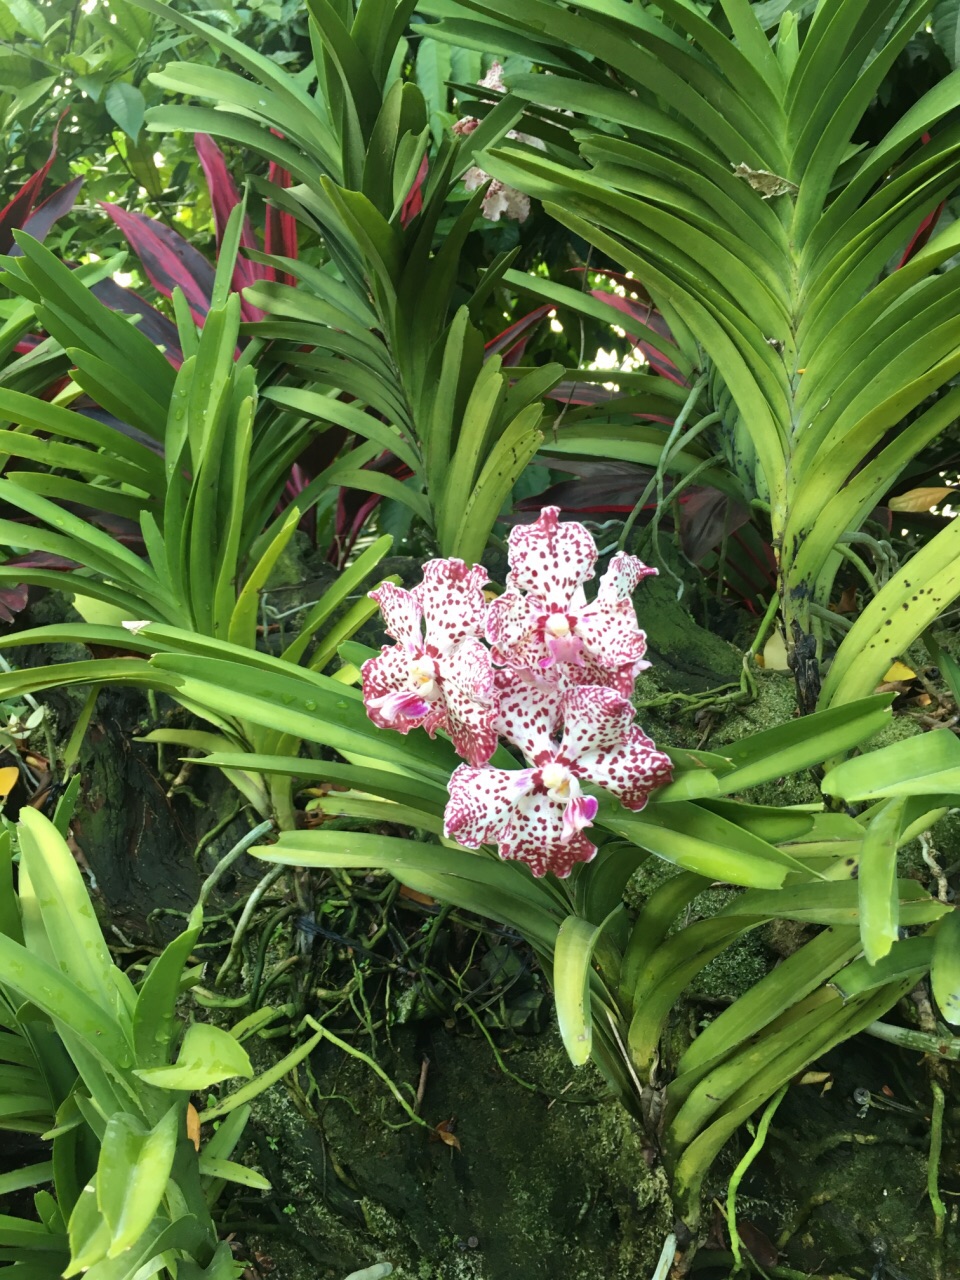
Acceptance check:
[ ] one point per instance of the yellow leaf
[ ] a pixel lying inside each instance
(814, 1077)
(921, 499)
(899, 671)
(8, 780)
(775, 653)
(193, 1125)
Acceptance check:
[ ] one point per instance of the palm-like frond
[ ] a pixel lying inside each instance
(726, 178)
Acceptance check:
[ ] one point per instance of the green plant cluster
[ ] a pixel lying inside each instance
(724, 154)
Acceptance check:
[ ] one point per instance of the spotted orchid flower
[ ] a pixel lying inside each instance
(539, 814)
(543, 620)
(439, 673)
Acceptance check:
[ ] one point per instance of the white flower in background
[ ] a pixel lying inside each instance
(501, 200)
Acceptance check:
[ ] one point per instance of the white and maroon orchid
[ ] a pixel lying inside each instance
(560, 691)
(439, 673)
(543, 619)
(538, 815)
(500, 199)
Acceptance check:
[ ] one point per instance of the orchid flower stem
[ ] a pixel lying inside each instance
(933, 1160)
(737, 1176)
(760, 639)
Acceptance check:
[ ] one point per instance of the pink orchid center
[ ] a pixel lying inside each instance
(423, 678)
(558, 780)
(558, 626)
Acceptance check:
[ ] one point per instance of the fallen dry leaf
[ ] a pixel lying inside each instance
(444, 1133)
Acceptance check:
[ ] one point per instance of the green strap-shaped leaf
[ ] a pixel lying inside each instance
(135, 1164)
(945, 967)
(207, 1055)
(572, 960)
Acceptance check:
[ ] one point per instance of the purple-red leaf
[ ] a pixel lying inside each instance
(647, 314)
(706, 517)
(152, 323)
(512, 342)
(45, 215)
(224, 198)
(413, 201)
(354, 506)
(15, 214)
(12, 600)
(167, 258)
(599, 487)
(280, 231)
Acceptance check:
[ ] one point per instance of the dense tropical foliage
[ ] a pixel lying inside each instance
(340, 343)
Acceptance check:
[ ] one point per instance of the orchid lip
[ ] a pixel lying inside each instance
(557, 625)
(557, 779)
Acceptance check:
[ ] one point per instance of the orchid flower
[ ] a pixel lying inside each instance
(538, 815)
(543, 619)
(500, 199)
(439, 673)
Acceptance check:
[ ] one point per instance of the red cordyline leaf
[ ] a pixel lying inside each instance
(925, 229)
(224, 198)
(13, 599)
(151, 323)
(46, 214)
(413, 202)
(512, 342)
(354, 507)
(15, 214)
(280, 228)
(167, 258)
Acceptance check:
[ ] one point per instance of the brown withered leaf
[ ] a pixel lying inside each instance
(444, 1133)
(759, 1246)
(414, 895)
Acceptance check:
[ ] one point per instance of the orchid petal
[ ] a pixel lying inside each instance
(529, 713)
(536, 835)
(631, 771)
(387, 692)
(469, 698)
(479, 805)
(551, 559)
(621, 679)
(621, 578)
(451, 597)
(401, 613)
(602, 745)
(594, 719)
(511, 629)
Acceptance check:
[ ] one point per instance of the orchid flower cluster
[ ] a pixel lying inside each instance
(538, 666)
(500, 199)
